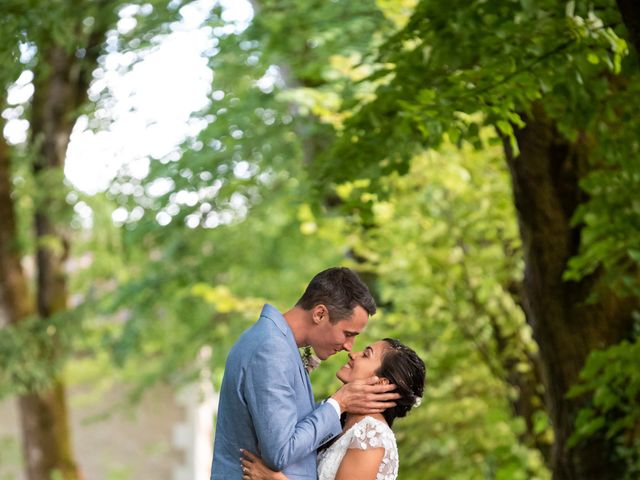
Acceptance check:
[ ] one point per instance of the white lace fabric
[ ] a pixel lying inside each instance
(367, 433)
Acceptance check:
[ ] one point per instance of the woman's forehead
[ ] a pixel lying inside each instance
(379, 346)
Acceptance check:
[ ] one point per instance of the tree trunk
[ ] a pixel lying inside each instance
(13, 283)
(630, 12)
(46, 436)
(61, 80)
(566, 325)
(43, 415)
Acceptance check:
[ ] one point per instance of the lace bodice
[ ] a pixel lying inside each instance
(367, 433)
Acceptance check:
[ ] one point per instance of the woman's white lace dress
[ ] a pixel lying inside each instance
(367, 433)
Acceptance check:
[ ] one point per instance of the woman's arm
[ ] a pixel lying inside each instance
(253, 468)
(360, 464)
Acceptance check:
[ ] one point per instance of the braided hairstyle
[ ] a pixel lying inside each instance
(402, 367)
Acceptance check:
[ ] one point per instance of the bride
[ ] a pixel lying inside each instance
(366, 449)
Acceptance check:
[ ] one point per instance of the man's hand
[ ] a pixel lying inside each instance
(365, 397)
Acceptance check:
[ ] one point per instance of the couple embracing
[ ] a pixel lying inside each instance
(269, 426)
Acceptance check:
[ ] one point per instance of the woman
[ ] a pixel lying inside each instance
(366, 449)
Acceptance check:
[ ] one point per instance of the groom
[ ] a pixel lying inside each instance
(266, 403)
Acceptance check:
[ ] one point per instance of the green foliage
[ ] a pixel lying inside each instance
(455, 68)
(612, 382)
(413, 194)
(187, 287)
(234, 215)
(34, 351)
(611, 216)
(444, 265)
(444, 73)
(489, 64)
(445, 247)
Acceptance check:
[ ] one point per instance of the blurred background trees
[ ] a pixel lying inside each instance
(476, 162)
(54, 48)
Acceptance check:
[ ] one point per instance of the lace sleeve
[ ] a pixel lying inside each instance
(369, 435)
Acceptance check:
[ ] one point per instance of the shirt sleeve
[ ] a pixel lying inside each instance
(335, 405)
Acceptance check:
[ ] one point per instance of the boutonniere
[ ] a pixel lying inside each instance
(309, 360)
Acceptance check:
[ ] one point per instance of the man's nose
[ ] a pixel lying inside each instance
(348, 345)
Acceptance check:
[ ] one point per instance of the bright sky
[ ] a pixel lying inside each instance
(153, 101)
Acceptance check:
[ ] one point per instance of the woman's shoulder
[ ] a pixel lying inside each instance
(371, 432)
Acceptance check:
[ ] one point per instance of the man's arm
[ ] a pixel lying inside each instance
(268, 388)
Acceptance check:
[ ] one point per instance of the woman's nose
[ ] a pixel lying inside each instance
(352, 355)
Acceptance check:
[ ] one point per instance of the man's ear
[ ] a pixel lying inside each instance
(319, 313)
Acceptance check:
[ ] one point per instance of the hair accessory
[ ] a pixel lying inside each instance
(417, 402)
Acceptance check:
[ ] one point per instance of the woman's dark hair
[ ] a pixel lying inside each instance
(406, 370)
(340, 290)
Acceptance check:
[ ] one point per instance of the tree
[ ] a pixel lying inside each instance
(58, 45)
(249, 152)
(233, 216)
(547, 79)
(241, 186)
(445, 246)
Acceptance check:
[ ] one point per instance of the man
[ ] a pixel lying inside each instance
(266, 403)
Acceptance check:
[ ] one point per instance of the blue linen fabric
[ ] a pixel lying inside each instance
(266, 405)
